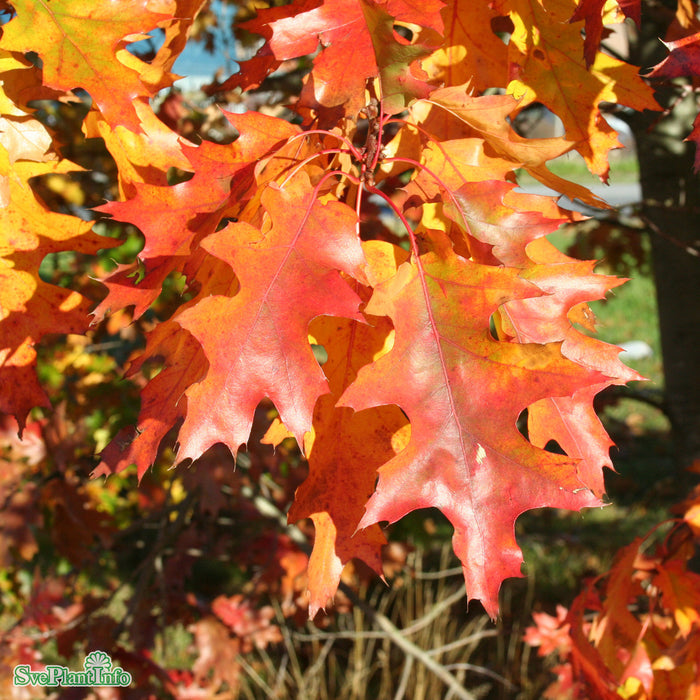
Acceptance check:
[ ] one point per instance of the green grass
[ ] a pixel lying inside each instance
(571, 166)
(630, 313)
(561, 548)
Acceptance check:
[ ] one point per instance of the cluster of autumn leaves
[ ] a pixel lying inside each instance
(633, 632)
(438, 335)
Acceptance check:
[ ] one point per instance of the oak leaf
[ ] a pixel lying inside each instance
(345, 448)
(174, 219)
(451, 110)
(597, 14)
(682, 61)
(29, 307)
(680, 589)
(551, 70)
(256, 341)
(24, 137)
(357, 45)
(514, 225)
(162, 402)
(569, 420)
(463, 392)
(471, 53)
(634, 629)
(143, 156)
(83, 45)
(175, 36)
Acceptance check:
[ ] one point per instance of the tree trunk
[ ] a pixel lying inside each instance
(671, 193)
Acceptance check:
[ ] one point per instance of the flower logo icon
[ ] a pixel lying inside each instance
(98, 660)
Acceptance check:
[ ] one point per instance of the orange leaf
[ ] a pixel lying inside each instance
(256, 342)
(81, 43)
(29, 307)
(680, 589)
(463, 391)
(488, 118)
(344, 454)
(471, 53)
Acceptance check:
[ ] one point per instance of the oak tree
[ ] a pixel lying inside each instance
(382, 222)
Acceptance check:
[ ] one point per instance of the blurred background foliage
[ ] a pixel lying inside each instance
(193, 581)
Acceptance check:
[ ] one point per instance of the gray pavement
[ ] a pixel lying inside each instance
(618, 195)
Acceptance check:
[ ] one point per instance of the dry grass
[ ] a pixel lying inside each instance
(354, 659)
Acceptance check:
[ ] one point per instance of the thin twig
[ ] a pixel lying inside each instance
(405, 675)
(691, 250)
(321, 658)
(435, 611)
(482, 670)
(476, 637)
(318, 636)
(254, 676)
(434, 575)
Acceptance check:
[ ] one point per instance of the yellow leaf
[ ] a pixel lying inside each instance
(551, 69)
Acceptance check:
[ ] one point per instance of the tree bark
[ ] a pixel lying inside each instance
(671, 193)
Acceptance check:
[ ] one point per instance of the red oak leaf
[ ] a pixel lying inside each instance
(591, 12)
(683, 61)
(569, 420)
(357, 44)
(173, 220)
(256, 342)
(463, 392)
(508, 221)
(514, 225)
(346, 450)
